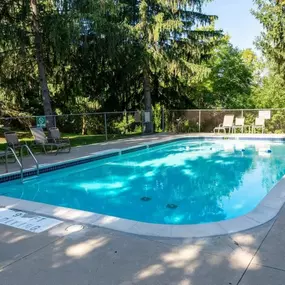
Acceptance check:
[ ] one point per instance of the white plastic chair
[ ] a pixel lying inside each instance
(258, 124)
(239, 124)
(227, 124)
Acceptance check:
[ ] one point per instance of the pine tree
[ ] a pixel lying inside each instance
(170, 40)
(40, 62)
(21, 38)
(111, 53)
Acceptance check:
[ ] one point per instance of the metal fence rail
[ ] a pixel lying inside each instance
(103, 125)
(205, 120)
(110, 125)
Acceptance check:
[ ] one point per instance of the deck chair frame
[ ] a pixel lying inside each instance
(40, 139)
(258, 124)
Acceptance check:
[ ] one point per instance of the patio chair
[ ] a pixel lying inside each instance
(227, 124)
(55, 135)
(13, 141)
(258, 124)
(239, 124)
(41, 139)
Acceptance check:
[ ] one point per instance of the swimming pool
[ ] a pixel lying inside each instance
(178, 183)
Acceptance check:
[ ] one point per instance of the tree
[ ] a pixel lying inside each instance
(170, 45)
(230, 80)
(53, 43)
(107, 55)
(21, 41)
(40, 62)
(271, 14)
(269, 92)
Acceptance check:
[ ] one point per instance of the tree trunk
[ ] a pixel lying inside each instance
(84, 125)
(147, 99)
(41, 68)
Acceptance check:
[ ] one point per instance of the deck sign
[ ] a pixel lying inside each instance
(24, 221)
(41, 121)
(264, 114)
(146, 117)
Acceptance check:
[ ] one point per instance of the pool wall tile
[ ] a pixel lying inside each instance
(133, 149)
(56, 166)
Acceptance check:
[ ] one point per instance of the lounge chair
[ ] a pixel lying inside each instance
(239, 124)
(227, 124)
(41, 140)
(13, 141)
(56, 137)
(258, 124)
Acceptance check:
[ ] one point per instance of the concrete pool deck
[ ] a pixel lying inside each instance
(97, 256)
(106, 257)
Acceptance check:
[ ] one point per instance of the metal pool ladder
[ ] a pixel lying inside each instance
(20, 162)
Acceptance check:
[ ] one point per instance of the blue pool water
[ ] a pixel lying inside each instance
(184, 182)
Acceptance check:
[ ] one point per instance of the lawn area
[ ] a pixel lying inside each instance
(75, 140)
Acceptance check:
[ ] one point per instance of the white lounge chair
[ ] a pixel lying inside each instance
(227, 124)
(258, 124)
(239, 124)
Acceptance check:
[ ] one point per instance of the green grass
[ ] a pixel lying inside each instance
(75, 140)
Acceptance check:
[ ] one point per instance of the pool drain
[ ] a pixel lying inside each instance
(145, 199)
(171, 206)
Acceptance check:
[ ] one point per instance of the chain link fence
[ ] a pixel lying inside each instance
(98, 127)
(192, 121)
(80, 128)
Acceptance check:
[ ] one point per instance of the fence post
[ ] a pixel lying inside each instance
(242, 113)
(162, 119)
(105, 123)
(199, 121)
(142, 121)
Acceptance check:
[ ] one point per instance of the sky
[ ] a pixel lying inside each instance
(236, 20)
